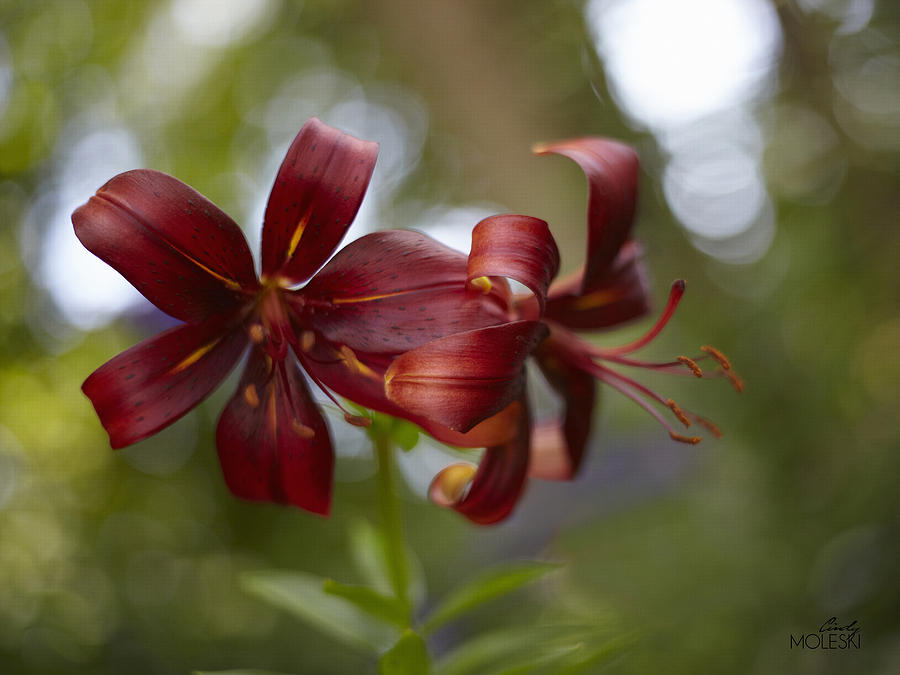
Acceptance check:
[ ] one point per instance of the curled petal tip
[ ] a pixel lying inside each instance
(678, 285)
(540, 148)
(450, 485)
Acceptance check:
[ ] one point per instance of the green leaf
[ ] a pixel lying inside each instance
(552, 648)
(408, 657)
(304, 596)
(584, 662)
(369, 600)
(549, 661)
(483, 588)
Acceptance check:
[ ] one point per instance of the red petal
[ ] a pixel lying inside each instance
(612, 173)
(149, 386)
(273, 442)
(367, 389)
(496, 485)
(557, 448)
(518, 247)
(175, 246)
(620, 296)
(393, 291)
(462, 379)
(316, 195)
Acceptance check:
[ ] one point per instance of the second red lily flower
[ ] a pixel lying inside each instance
(609, 290)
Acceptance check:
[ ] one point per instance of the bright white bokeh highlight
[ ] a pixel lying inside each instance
(88, 291)
(673, 62)
(214, 23)
(691, 72)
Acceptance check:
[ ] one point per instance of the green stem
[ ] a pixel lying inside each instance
(391, 517)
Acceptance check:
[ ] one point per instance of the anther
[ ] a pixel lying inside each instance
(358, 420)
(690, 440)
(302, 430)
(257, 333)
(250, 396)
(356, 366)
(481, 283)
(691, 365)
(718, 356)
(307, 340)
(349, 359)
(736, 381)
(709, 425)
(678, 413)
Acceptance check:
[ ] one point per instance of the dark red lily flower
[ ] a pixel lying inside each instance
(609, 290)
(383, 295)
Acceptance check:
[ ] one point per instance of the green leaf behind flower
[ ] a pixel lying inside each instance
(303, 595)
(378, 605)
(484, 588)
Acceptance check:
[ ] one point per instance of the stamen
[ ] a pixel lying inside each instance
(307, 340)
(257, 333)
(702, 421)
(674, 298)
(250, 396)
(356, 366)
(670, 367)
(302, 430)
(358, 420)
(625, 386)
(718, 356)
(482, 283)
(602, 372)
(691, 365)
(736, 381)
(679, 413)
(691, 440)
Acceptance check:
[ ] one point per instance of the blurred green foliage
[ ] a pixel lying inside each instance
(130, 561)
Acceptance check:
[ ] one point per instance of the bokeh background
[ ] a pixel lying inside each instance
(770, 139)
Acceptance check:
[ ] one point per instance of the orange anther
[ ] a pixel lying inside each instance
(736, 381)
(678, 413)
(251, 396)
(307, 340)
(709, 425)
(302, 430)
(257, 333)
(718, 356)
(358, 420)
(691, 365)
(481, 283)
(691, 440)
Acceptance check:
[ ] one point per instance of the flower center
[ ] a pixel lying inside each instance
(274, 332)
